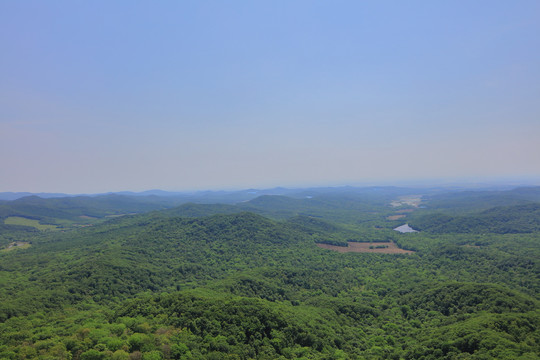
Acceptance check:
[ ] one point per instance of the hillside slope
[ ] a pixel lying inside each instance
(240, 285)
(500, 220)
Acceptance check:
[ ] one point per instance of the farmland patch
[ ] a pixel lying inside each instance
(395, 217)
(367, 247)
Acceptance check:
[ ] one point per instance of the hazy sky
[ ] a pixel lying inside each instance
(132, 95)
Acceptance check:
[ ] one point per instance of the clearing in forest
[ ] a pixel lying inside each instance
(367, 247)
(18, 220)
(395, 217)
(17, 245)
(409, 200)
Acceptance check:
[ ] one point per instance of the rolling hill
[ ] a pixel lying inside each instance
(214, 281)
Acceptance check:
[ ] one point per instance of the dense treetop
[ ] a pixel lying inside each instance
(247, 281)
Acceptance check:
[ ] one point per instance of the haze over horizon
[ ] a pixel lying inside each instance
(99, 96)
(480, 184)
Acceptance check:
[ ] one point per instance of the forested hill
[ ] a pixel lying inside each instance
(216, 281)
(500, 220)
(191, 210)
(73, 208)
(277, 203)
(471, 201)
(342, 207)
(134, 254)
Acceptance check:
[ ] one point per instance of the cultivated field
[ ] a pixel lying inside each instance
(366, 247)
(395, 217)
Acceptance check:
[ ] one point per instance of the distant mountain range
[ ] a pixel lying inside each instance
(9, 196)
(217, 195)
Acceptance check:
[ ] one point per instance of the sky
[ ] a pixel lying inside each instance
(100, 96)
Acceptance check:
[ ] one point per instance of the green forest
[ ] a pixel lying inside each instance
(125, 277)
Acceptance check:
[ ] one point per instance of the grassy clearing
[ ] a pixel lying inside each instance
(17, 220)
(16, 245)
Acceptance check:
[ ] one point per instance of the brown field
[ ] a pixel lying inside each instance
(405, 211)
(87, 217)
(395, 217)
(364, 248)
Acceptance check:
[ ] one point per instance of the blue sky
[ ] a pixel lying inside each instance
(131, 95)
